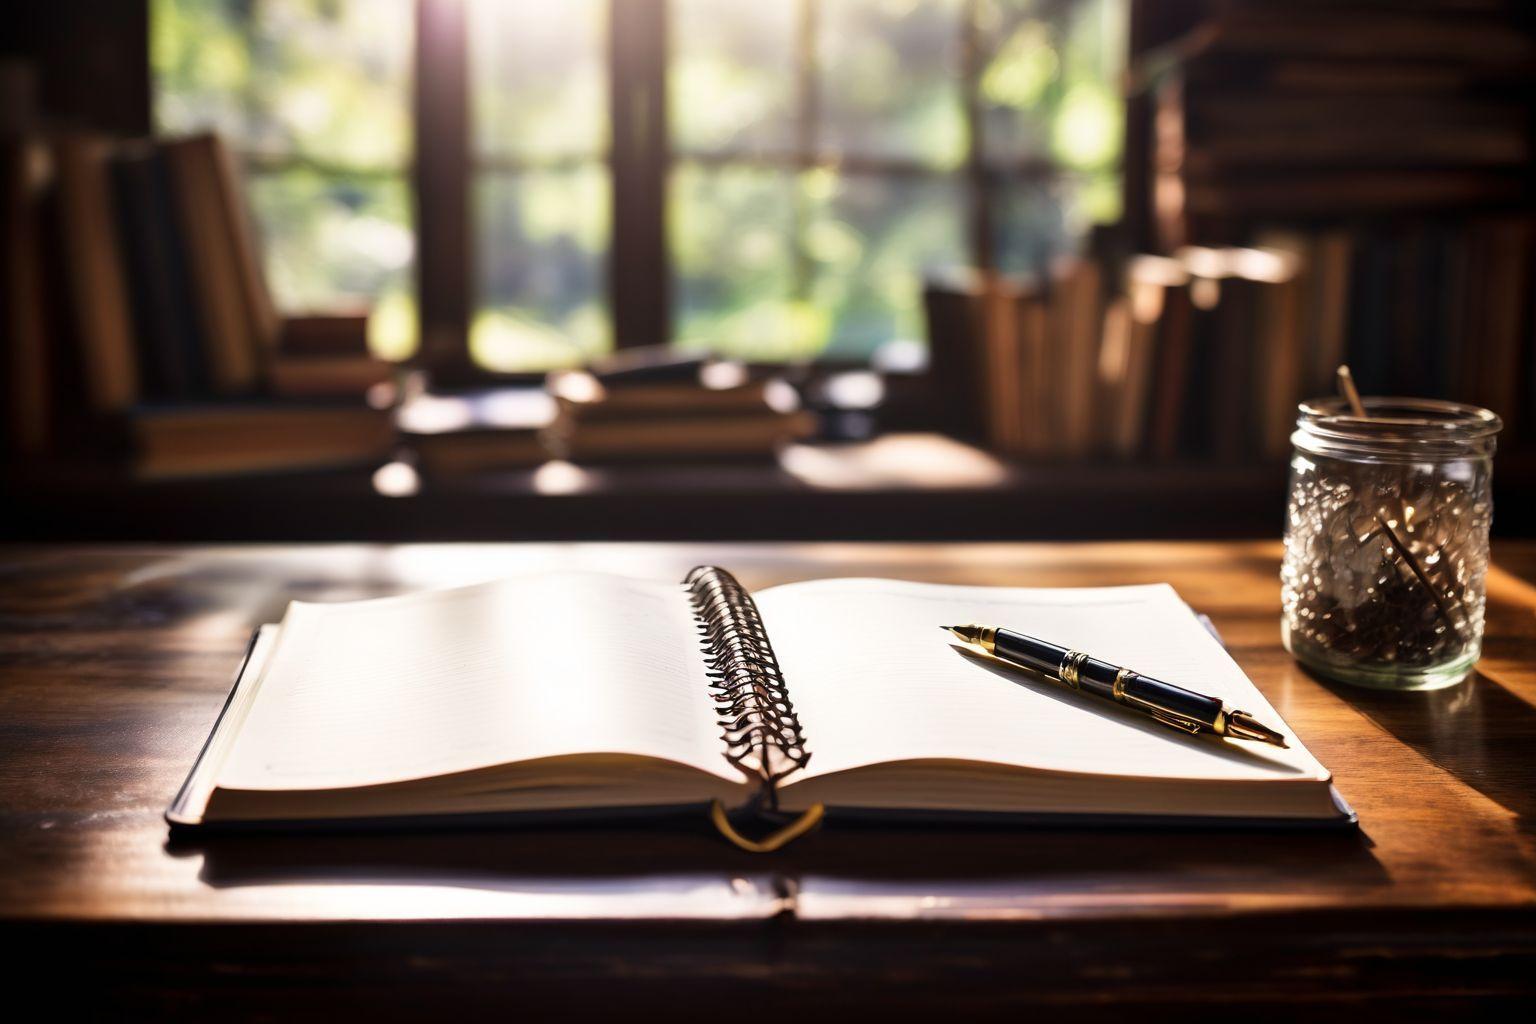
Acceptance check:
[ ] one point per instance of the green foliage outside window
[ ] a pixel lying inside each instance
(818, 164)
(781, 251)
(314, 94)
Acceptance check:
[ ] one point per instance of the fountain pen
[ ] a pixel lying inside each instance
(1171, 705)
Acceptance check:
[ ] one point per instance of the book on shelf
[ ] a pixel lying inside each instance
(1010, 363)
(590, 695)
(139, 326)
(1030, 350)
(666, 439)
(316, 376)
(1282, 370)
(601, 417)
(231, 329)
(165, 323)
(1263, 111)
(952, 309)
(94, 294)
(1206, 353)
(1328, 193)
(26, 174)
(1154, 291)
(470, 450)
(187, 440)
(1074, 329)
(1433, 34)
(336, 333)
(592, 402)
(326, 355)
(233, 216)
(474, 432)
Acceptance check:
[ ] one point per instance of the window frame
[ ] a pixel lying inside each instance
(640, 160)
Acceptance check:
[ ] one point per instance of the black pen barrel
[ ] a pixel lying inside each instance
(1098, 677)
(1027, 651)
(1197, 706)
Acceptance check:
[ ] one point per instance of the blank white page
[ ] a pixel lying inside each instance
(874, 679)
(427, 684)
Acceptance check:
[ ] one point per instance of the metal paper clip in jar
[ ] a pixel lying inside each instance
(1386, 540)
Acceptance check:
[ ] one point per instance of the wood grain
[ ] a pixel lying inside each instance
(114, 662)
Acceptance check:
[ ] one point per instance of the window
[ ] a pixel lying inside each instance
(540, 188)
(314, 95)
(812, 161)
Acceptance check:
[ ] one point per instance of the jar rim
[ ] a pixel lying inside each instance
(1398, 419)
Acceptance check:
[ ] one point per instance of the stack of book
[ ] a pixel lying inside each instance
(326, 356)
(1282, 110)
(1206, 352)
(138, 323)
(1015, 359)
(462, 434)
(639, 409)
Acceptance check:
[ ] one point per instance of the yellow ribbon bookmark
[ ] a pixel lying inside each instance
(778, 840)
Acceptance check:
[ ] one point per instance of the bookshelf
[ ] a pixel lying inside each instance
(813, 492)
(1306, 184)
(991, 499)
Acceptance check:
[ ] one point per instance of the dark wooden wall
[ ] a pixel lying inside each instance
(90, 61)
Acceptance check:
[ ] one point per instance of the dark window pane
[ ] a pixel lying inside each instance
(537, 77)
(1029, 225)
(733, 84)
(542, 244)
(890, 74)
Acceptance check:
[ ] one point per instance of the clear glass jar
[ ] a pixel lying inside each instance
(1386, 541)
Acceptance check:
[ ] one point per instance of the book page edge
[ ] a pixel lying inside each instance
(191, 800)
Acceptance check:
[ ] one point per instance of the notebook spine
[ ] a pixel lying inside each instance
(762, 734)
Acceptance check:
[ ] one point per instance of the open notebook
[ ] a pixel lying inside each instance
(593, 693)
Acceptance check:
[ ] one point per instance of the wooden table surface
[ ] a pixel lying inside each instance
(114, 662)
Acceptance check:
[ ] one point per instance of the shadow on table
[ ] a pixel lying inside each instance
(1478, 731)
(916, 861)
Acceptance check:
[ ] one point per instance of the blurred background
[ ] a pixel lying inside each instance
(709, 269)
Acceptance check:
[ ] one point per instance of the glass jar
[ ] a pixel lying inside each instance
(1386, 541)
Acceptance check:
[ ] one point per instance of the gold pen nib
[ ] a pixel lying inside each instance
(977, 636)
(1243, 726)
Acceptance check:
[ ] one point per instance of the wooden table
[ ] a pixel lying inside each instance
(114, 662)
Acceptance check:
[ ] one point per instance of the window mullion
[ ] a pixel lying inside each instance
(638, 279)
(979, 190)
(440, 180)
(807, 131)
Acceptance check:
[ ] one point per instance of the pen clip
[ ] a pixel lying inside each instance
(1178, 722)
(1167, 716)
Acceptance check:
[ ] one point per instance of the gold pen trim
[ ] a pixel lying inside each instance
(1071, 667)
(1166, 715)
